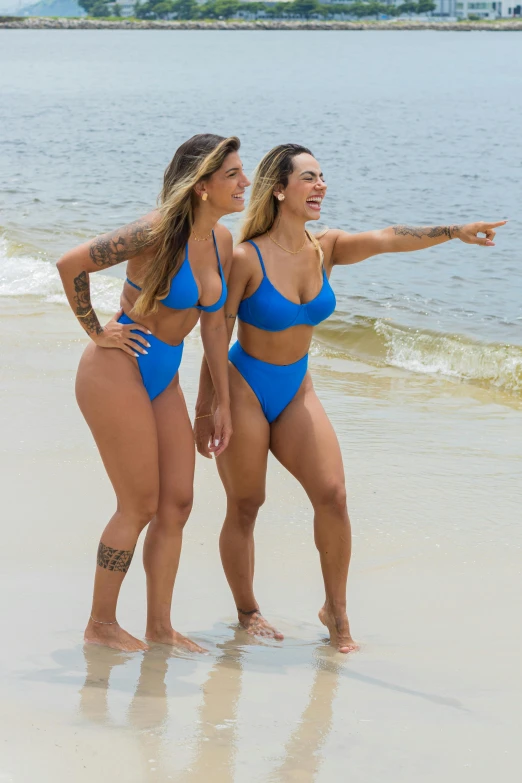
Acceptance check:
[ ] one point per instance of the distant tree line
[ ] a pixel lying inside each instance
(228, 9)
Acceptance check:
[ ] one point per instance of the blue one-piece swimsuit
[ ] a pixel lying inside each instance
(159, 366)
(276, 385)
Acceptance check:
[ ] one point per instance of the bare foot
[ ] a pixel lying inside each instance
(112, 636)
(339, 629)
(172, 637)
(256, 625)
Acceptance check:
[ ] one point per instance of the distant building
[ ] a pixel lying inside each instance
(446, 8)
(487, 9)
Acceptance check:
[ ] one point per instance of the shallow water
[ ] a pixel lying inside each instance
(400, 124)
(411, 128)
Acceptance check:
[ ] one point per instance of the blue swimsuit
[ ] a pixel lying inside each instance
(159, 366)
(276, 385)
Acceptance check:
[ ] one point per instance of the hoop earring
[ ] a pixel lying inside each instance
(280, 197)
(204, 197)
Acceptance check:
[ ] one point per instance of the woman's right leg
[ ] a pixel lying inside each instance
(113, 400)
(242, 468)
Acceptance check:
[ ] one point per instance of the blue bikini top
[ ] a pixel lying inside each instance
(268, 309)
(184, 292)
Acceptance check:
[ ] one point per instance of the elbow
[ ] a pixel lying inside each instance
(62, 263)
(68, 263)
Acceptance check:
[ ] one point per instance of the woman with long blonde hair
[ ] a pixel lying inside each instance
(279, 290)
(178, 260)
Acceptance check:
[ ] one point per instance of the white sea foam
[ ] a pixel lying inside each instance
(453, 355)
(26, 275)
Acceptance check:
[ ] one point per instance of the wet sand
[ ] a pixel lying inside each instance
(433, 471)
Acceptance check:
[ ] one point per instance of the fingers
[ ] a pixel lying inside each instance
(495, 225)
(129, 350)
(135, 335)
(202, 437)
(139, 327)
(140, 343)
(221, 443)
(202, 448)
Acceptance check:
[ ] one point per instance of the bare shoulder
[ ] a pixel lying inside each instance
(327, 237)
(225, 245)
(245, 256)
(223, 236)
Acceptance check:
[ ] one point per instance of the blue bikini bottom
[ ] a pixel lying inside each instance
(275, 385)
(159, 366)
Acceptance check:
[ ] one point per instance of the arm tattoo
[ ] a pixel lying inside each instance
(114, 559)
(454, 230)
(230, 315)
(82, 297)
(428, 231)
(432, 232)
(116, 247)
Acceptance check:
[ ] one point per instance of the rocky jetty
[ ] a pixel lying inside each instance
(51, 23)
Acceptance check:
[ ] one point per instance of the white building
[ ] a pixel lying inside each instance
(487, 9)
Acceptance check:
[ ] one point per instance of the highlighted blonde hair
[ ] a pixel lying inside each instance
(263, 208)
(196, 160)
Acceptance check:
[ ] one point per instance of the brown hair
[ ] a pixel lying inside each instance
(274, 169)
(197, 159)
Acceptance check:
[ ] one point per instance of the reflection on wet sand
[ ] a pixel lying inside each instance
(301, 759)
(215, 739)
(148, 712)
(217, 724)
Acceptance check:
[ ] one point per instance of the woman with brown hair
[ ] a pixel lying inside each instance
(279, 289)
(178, 259)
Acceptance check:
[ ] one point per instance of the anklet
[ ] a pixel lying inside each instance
(101, 622)
(252, 611)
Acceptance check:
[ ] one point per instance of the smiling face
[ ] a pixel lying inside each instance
(305, 190)
(225, 188)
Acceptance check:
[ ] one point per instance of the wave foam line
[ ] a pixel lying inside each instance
(26, 275)
(431, 353)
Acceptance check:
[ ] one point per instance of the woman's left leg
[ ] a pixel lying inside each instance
(304, 441)
(162, 548)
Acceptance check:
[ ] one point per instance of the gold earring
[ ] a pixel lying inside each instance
(204, 197)
(280, 197)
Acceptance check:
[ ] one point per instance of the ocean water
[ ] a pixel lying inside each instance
(416, 128)
(419, 370)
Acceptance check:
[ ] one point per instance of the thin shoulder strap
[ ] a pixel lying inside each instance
(217, 253)
(133, 284)
(251, 241)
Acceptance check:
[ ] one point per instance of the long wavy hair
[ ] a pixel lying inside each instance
(197, 159)
(263, 208)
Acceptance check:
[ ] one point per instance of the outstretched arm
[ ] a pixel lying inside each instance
(352, 248)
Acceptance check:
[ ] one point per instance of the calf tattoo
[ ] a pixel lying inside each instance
(114, 559)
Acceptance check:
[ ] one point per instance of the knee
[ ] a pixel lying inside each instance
(333, 497)
(174, 512)
(244, 510)
(141, 511)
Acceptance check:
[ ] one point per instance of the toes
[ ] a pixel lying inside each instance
(347, 648)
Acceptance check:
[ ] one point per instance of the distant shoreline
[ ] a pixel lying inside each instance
(52, 23)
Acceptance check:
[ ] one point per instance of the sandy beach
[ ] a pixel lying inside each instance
(419, 368)
(434, 597)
